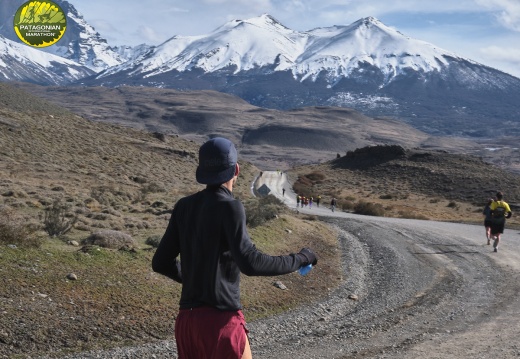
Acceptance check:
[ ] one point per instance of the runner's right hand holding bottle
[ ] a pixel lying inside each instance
(309, 259)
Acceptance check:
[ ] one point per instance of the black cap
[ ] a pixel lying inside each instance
(217, 161)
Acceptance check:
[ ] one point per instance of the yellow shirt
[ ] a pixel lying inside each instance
(496, 204)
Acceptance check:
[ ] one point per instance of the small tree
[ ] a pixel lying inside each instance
(55, 222)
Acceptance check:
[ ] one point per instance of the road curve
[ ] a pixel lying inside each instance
(419, 289)
(425, 289)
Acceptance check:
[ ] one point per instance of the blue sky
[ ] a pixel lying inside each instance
(486, 31)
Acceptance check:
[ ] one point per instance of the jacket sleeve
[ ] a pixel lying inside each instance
(165, 259)
(249, 259)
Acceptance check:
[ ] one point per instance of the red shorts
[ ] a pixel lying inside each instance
(209, 333)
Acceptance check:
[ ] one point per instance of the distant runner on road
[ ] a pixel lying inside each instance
(488, 219)
(333, 204)
(499, 211)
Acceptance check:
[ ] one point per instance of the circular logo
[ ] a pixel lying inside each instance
(40, 23)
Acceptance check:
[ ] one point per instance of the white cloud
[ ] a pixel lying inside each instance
(508, 11)
(502, 54)
(149, 35)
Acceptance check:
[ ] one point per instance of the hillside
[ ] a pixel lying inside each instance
(270, 139)
(60, 294)
(410, 183)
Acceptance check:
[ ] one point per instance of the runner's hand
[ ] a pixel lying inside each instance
(308, 256)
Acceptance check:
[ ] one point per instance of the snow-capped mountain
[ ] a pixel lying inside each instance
(366, 65)
(263, 42)
(23, 63)
(81, 43)
(244, 45)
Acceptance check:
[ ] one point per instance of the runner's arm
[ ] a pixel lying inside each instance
(165, 259)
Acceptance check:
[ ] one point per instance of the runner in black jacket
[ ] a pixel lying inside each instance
(208, 231)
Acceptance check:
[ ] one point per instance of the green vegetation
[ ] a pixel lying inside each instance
(261, 210)
(74, 298)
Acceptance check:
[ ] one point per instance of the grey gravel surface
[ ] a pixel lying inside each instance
(411, 289)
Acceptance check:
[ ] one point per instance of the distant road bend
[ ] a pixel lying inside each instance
(425, 289)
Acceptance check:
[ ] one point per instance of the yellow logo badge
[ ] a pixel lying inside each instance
(40, 23)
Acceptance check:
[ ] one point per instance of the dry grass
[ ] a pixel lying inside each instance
(111, 178)
(415, 184)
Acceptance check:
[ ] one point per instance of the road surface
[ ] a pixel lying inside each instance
(425, 289)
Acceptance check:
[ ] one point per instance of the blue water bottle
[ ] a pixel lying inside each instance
(304, 270)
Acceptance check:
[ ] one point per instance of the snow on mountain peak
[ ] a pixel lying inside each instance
(262, 41)
(19, 62)
(242, 44)
(340, 50)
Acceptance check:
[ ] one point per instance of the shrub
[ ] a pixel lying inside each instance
(369, 209)
(153, 241)
(110, 239)
(412, 215)
(153, 187)
(55, 222)
(315, 176)
(110, 196)
(302, 189)
(386, 196)
(345, 204)
(14, 230)
(259, 211)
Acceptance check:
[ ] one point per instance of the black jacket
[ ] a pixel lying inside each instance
(208, 230)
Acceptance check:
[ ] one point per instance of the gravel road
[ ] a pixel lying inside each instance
(411, 289)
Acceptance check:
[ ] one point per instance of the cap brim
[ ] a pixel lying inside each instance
(212, 178)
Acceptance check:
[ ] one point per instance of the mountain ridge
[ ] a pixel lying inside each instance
(81, 43)
(366, 65)
(263, 42)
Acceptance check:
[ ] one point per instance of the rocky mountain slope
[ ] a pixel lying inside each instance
(22, 63)
(81, 44)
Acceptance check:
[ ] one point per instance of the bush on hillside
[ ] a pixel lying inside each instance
(315, 176)
(111, 196)
(57, 221)
(15, 230)
(369, 209)
(259, 211)
(345, 204)
(110, 239)
(153, 241)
